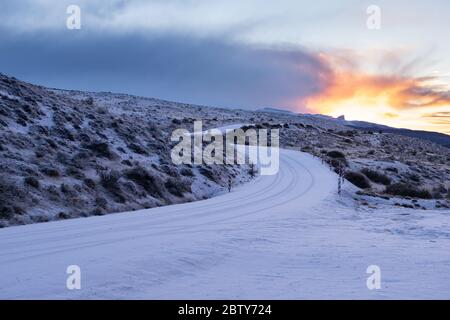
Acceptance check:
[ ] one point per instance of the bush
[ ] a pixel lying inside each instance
(137, 148)
(150, 182)
(338, 163)
(101, 202)
(101, 149)
(376, 177)
(170, 170)
(187, 172)
(110, 181)
(439, 192)
(177, 187)
(89, 101)
(50, 172)
(336, 154)
(127, 163)
(89, 183)
(392, 169)
(32, 181)
(75, 172)
(208, 174)
(67, 190)
(437, 195)
(357, 179)
(407, 190)
(414, 177)
(6, 212)
(63, 215)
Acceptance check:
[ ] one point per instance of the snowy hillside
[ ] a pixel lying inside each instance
(68, 154)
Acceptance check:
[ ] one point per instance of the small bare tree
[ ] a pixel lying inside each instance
(341, 174)
(252, 170)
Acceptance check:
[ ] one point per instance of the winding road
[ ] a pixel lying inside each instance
(276, 237)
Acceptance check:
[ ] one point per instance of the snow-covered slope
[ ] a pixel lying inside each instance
(282, 236)
(68, 154)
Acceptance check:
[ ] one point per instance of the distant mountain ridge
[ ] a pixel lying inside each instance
(436, 137)
(275, 110)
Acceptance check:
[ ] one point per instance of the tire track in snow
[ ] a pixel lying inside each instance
(274, 201)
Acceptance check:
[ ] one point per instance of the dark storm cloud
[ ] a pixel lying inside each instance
(188, 69)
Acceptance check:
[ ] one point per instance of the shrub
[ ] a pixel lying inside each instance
(32, 181)
(101, 202)
(208, 174)
(137, 149)
(66, 189)
(127, 163)
(75, 172)
(407, 190)
(50, 172)
(6, 212)
(357, 179)
(63, 215)
(150, 182)
(336, 154)
(414, 177)
(338, 163)
(89, 183)
(177, 187)
(187, 172)
(392, 169)
(89, 101)
(170, 170)
(101, 149)
(376, 177)
(439, 192)
(110, 181)
(80, 159)
(40, 218)
(437, 195)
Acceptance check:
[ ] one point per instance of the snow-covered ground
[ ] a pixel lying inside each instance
(284, 236)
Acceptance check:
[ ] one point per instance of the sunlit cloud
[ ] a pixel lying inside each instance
(391, 115)
(392, 98)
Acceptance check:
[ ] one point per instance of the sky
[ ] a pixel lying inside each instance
(306, 56)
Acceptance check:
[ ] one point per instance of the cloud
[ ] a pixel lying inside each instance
(189, 69)
(394, 95)
(397, 88)
(391, 115)
(438, 115)
(439, 118)
(419, 95)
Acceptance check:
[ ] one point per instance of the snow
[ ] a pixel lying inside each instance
(222, 129)
(7, 95)
(284, 236)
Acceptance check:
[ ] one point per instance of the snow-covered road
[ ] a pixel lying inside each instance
(282, 236)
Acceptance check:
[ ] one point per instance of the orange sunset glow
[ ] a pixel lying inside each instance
(421, 103)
